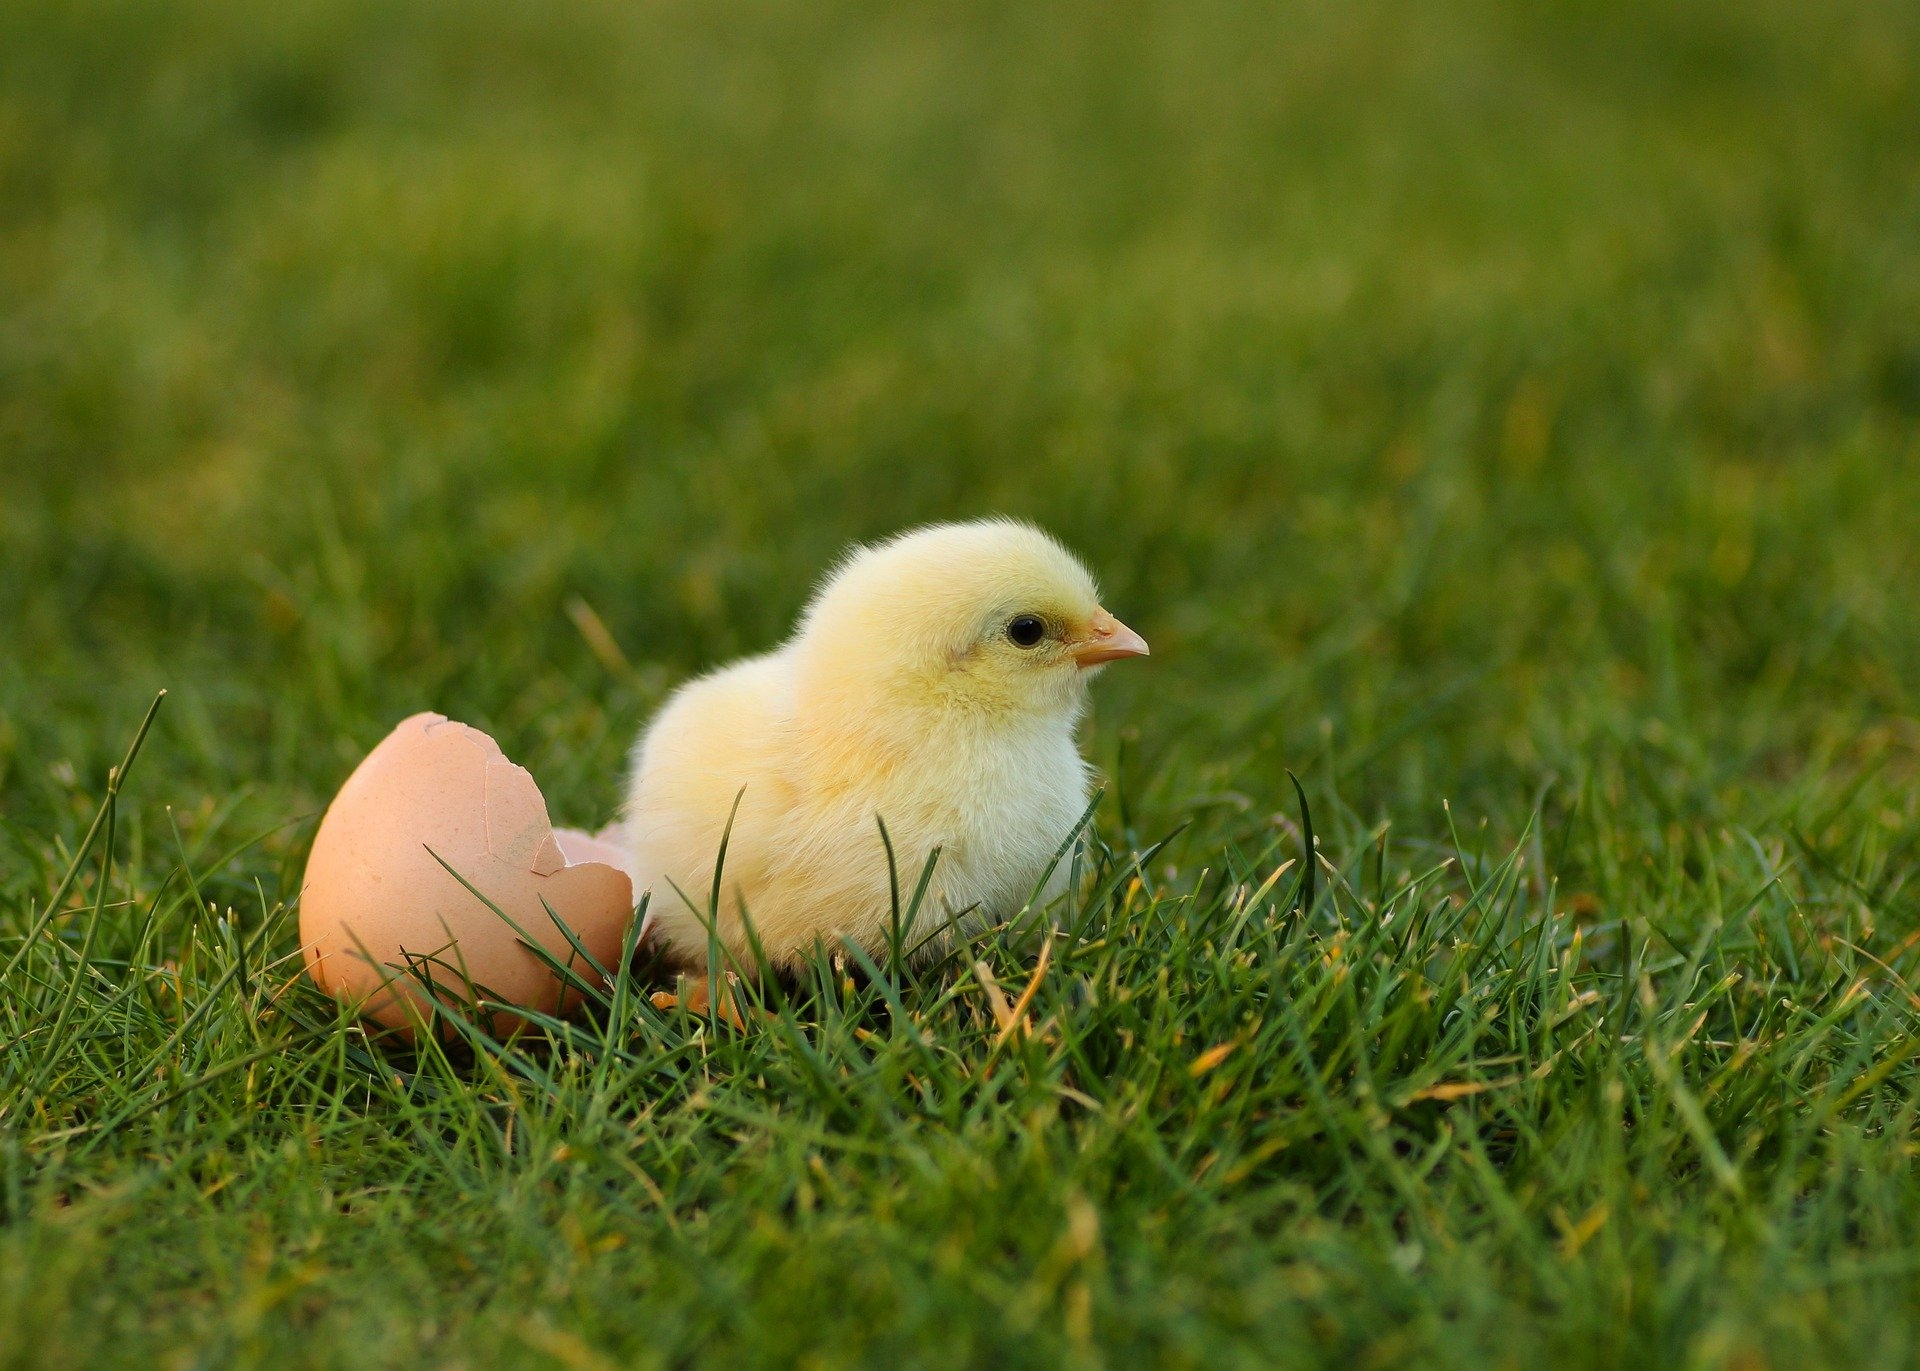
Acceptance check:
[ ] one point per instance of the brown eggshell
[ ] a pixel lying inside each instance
(374, 895)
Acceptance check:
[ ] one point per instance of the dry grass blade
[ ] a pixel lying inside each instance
(1016, 1021)
(996, 997)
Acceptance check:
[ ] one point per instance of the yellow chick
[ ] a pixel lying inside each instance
(934, 683)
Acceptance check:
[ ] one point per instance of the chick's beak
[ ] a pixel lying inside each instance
(1108, 640)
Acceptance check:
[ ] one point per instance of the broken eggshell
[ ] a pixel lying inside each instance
(378, 910)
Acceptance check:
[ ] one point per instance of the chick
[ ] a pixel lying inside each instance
(934, 683)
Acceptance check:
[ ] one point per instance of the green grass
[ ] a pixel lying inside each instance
(1506, 417)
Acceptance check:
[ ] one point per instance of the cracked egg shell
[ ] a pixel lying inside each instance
(375, 900)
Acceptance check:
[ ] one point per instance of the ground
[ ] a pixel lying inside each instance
(1504, 417)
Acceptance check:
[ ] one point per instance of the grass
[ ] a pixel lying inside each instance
(1501, 416)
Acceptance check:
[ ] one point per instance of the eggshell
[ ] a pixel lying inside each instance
(374, 895)
(578, 847)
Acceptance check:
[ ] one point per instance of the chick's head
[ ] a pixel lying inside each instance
(988, 618)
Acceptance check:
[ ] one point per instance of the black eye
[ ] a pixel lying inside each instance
(1026, 630)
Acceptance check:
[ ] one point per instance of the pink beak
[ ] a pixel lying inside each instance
(1108, 641)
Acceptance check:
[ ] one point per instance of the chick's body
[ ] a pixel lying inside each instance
(934, 683)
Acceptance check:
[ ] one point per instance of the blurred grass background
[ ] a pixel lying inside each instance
(1484, 402)
(1451, 388)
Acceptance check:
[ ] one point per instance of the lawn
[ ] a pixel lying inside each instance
(1505, 417)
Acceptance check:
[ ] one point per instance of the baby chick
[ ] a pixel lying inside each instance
(933, 683)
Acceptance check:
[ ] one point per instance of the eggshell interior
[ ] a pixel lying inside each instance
(375, 900)
(578, 847)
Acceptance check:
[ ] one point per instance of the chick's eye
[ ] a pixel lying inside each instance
(1026, 630)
